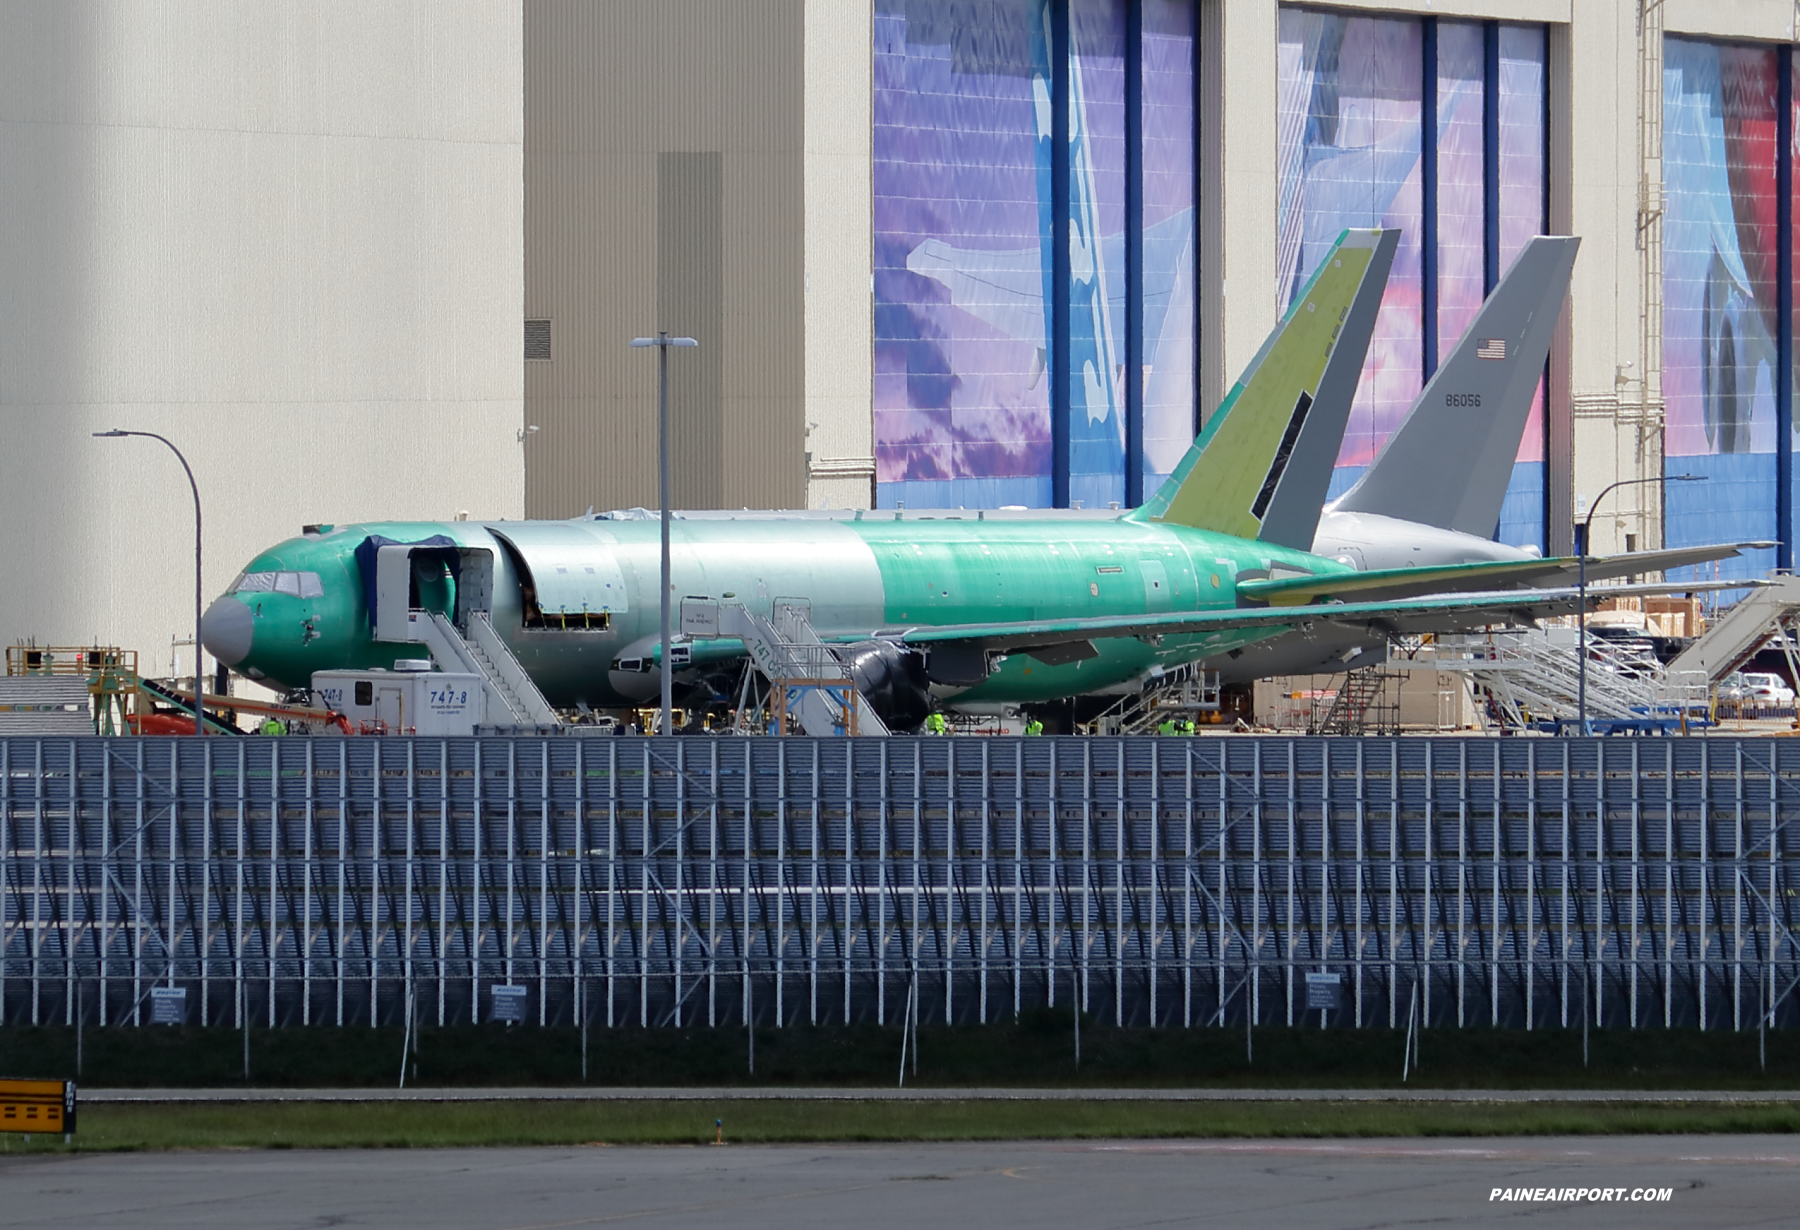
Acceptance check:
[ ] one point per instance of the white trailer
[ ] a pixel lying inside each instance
(403, 702)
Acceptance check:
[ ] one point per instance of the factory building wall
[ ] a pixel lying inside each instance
(1137, 186)
(685, 173)
(974, 204)
(840, 453)
(285, 235)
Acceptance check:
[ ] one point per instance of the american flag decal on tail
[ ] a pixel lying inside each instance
(1491, 348)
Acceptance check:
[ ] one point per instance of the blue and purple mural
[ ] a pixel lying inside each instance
(962, 230)
(1352, 114)
(1096, 253)
(964, 271)
(1351, 90)
(1170, 329)
(1719, 295)
(965, 275)
(1461, 182)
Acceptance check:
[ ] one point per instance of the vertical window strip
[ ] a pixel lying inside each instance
(1462, 205)
(1784, 310)
(1428, 201)
(1521, 211)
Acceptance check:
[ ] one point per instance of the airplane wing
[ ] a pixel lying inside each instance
(1437, 613)
(1395, 583)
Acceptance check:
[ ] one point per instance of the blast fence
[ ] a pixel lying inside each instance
(697, 881)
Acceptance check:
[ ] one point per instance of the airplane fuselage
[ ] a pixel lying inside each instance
(1369, 542)
(577, 600)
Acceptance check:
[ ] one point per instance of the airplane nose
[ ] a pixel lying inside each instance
(226, 630)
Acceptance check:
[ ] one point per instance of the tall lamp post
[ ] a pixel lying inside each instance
(662, 342)
(1581, 552)
(199, 694)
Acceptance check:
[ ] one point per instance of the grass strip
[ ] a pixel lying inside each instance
(336, 1125)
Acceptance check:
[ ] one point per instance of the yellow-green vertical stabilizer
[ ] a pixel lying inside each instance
(1289, 408)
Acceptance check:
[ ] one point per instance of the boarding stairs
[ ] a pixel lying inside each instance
(45, 705)
(1735, 636)
(1181, 692)
(512, 699)
(1535, 675)
(807, 680)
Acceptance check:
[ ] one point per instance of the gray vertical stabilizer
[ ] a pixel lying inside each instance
(1449, 463)
(1301, 474)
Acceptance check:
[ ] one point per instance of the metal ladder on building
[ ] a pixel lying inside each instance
(512, 698)
(805, 677)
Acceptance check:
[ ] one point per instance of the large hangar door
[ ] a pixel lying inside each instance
(690, 297)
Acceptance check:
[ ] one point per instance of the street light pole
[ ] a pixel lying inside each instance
(1581, 552)
(662, 341)
(199, 694)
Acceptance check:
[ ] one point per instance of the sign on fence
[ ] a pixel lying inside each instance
(168, 1005)
(37, 1106)
(1322, 991)
(509, 1005)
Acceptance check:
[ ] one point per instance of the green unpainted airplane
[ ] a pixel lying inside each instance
(965, 607)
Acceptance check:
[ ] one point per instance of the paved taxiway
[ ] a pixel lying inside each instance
(1717, 1181)
(767, 1093)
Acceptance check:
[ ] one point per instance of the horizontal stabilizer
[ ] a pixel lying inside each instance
(1394, 583)
(1637, 563)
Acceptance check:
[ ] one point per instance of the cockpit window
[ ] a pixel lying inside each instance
(297, 584)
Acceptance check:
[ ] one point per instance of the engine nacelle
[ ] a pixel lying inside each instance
(892, 679)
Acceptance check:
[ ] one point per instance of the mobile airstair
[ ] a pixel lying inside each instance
(512, 699)
(1534, 677)
(468, 645)
(807, 682)
(1182, 692)
(1736, 635)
